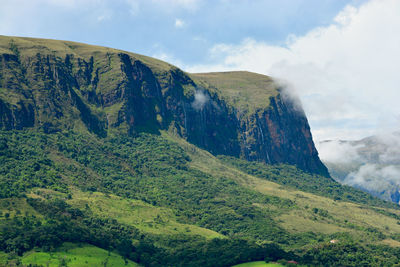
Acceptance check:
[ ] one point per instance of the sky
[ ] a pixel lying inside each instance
(341, 57)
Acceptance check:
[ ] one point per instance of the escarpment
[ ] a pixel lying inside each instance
(59, 85)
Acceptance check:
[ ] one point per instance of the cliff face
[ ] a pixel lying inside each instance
(281, 134)
(56, 85)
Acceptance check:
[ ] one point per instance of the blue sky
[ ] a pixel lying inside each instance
(341, 57)
(182, 29)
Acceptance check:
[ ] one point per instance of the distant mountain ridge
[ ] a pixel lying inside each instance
(58, 85)
(371, 164)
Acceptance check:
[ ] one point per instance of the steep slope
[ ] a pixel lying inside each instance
(59, 85)
(272, 124)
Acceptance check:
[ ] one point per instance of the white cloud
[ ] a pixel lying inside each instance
(346, 73)
(179, 23)
(375, 178)
(200, 99)
(339, 152)
(372, 164)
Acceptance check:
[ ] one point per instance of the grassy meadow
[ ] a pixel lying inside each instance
(258, 264)
(76, 255)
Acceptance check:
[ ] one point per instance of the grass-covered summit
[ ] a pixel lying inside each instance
(27, 46)
(246, 91)
(59, 85)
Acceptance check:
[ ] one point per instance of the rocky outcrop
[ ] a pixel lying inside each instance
(110, 90)
(281, 134)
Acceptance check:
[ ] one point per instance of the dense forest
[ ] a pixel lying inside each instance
(45, 172)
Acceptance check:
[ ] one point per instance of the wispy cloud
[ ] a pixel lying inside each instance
(200, 100)
(179, 23)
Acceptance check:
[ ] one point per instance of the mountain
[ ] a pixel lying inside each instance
(371, 164)
(109, 157)
(57, 85)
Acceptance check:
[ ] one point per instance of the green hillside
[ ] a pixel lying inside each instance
(159, 200)
(76, 255)
(244, 90)
(258, 264)
(240, 88)
(31, 46)
(109, 157)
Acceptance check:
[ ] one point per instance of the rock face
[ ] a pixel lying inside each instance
(58, 85)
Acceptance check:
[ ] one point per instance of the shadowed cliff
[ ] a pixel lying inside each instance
(58, 85)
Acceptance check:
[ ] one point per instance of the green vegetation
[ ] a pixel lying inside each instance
(158, 200)
(146, 168)
(258, 264)
(238, 88)
(75, 255)
(146, 172)
(147, 218)
(64, 223)
(87, 169)
(290, 176)
(58, 86)
(243, 90)
(31, 46)
(3, 258)
(351, 254)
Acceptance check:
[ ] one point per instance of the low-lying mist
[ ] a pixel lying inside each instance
(371, 164)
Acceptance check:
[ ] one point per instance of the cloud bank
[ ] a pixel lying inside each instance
(345, 73)
(371, 164)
